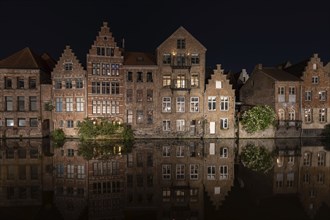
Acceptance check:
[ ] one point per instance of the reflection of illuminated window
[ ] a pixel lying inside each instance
(306, 178)
(289, 179)
(166, 171)
(180, 174)
(224, 152)
(321, 158)
(180, 151)
(223, 172)
(193, 171)
(166, 194)
(211, 172)
(280, 161)
(279, 180)
(70, 171)
(307, 159)
(166, 151)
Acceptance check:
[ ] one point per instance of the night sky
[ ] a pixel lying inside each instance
(237, 34)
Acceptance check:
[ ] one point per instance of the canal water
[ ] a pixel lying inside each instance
(165, 179)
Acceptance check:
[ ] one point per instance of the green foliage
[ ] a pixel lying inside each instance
(58, 137)
(257, 158)
(258, 118)
(101, 150)
(103, 129)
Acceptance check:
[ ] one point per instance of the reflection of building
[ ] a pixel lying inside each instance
(69, 85)
(21, 172)
(218, 174)
(25, 90)
(70, 179)
(314, 179)
(142, 180)
(106, 182)
(286, 168)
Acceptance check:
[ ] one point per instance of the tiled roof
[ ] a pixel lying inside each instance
(139, 58)
(27, 59)
(279, 74)
(298, 68)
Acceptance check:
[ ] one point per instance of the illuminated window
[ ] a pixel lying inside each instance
(194, 104)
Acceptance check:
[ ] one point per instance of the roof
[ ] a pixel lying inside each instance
(27, 59)
(139, 58)
(298, 68)
(279, 74)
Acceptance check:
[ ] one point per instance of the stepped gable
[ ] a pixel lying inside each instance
(139, 58)
(218, 73)
(279, 74)
(105, 39)
(68, 56)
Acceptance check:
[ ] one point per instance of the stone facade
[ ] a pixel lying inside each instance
(315, 101)
(69, 93)
(279, 90)
(105, 79)
(219, 106)
(25, 88)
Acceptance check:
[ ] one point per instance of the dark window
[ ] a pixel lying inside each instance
(181, 43)
(9, 103)
(114, 88)
(58, 84)
(33, 122)
(129, 77)
(70, 124)
(68, 84)
(149, 77)
(32, 83)
(20, 83)
(68, 66)
(79, 84)
(8, 83)
(139, 77)
(33, 103)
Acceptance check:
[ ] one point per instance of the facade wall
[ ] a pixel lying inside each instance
(315, 97)
(181, 61)
(105, 78)
(21, 118)
(69, 96)
(219, 105)
(141, 96)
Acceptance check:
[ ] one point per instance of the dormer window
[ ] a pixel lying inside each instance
(68, 66)
(181, 44)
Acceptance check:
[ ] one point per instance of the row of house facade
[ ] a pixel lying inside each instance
(168, 93)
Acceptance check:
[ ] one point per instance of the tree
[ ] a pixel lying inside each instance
(258, 118)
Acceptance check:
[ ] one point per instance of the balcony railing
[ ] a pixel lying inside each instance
(289, 123)
(180, 85)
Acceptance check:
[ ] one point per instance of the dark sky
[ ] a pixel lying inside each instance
(237, 34)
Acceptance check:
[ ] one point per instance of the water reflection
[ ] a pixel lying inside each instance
(162, 179)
